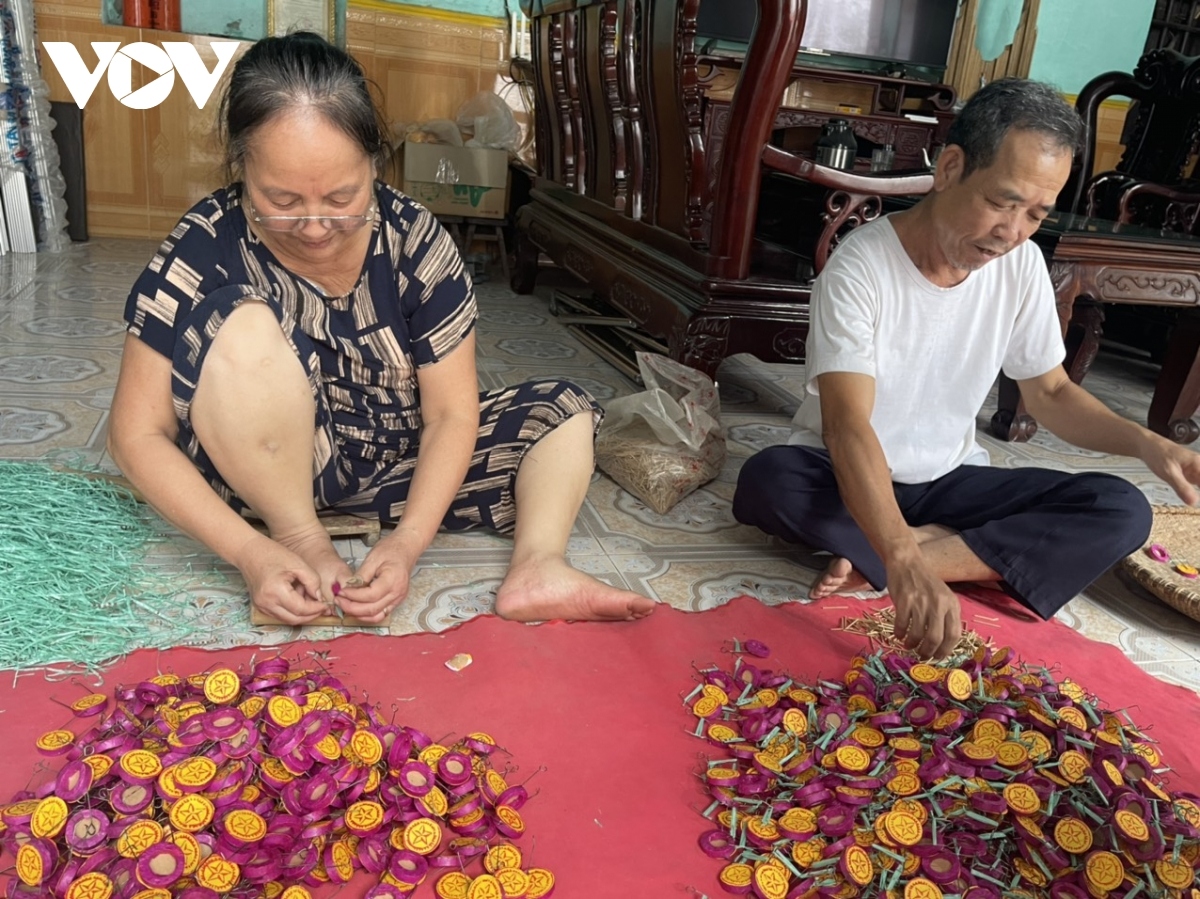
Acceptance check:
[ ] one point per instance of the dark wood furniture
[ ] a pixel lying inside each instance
(1176, 24)
(1098, 257)
(1162, 133)
(1095, 261)
(637, 197)
(1153, 184)
(876, 106)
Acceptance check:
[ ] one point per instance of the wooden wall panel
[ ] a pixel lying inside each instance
(183, 158)
(967, 70)
(1110, 121)
(145, 168)
(117, 189)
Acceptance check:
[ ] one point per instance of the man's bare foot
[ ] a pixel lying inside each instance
(839, 577)
(549, 588)
(316, 548)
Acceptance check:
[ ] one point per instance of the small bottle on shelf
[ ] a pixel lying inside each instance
(136, 13)
(883, 159)
(165, 15)
(837, 147)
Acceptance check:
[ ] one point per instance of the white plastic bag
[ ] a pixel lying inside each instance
(488, 122)
(663, 443)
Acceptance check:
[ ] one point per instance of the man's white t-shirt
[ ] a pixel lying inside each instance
(934, 352)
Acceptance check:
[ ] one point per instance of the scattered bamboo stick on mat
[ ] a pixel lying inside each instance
(880, 627)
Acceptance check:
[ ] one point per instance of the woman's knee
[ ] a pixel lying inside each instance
(1133, 507)
(249, 367)
(568, 397)
(529, 411)
(249, 342)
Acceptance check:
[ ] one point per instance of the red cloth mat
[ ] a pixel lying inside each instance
(593, 719)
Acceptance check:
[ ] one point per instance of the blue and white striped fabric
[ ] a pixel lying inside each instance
(413, 304)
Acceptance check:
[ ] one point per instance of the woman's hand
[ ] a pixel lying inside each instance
(385, 575)
(281, 584)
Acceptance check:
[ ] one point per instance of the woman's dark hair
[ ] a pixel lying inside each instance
(1008, 104)
(299, 70)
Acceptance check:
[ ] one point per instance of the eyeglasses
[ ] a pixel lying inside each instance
(296, 222)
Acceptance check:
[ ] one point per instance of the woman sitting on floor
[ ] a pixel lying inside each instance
(305, 340)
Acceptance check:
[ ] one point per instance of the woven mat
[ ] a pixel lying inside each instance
(592, 719)
(1177, 530)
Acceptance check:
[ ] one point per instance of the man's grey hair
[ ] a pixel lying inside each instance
(1013, 104)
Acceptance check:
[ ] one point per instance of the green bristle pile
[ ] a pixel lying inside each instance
(75, 585)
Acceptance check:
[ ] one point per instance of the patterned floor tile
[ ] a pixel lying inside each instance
(706, 584)
(33, 427)
(59, 372)
(60, 339)
(624, 523)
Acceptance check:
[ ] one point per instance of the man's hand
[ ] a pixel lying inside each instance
(281, 584)
(1177, 465)
(385, 575)
(1076, 416)
(928, 615)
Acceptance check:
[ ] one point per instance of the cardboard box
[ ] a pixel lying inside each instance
(481, 189)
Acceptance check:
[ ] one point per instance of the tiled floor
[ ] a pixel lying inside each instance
(60, 339)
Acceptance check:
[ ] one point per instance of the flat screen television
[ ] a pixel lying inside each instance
(908, 31)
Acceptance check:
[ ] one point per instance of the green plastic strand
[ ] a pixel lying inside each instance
(76, 587)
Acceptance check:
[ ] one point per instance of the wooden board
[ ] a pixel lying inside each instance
(259, 619)
(348, 526)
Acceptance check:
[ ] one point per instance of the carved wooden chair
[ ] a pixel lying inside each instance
(1151, 186)
(1161, 136)
(1177, 391)
(629, 198)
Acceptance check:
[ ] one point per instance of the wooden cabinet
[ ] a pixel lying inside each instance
(246, 20)
(146, 167)
(912, 116)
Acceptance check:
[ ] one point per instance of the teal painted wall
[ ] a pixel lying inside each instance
(494, 8)
(1079, 39)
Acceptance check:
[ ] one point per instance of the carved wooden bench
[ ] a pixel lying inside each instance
(628, 199)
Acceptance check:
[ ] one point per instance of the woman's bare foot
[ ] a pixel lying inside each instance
(549, 588)
(316, 548)
(839, 577)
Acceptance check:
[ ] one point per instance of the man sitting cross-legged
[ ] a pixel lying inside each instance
(912, 319)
